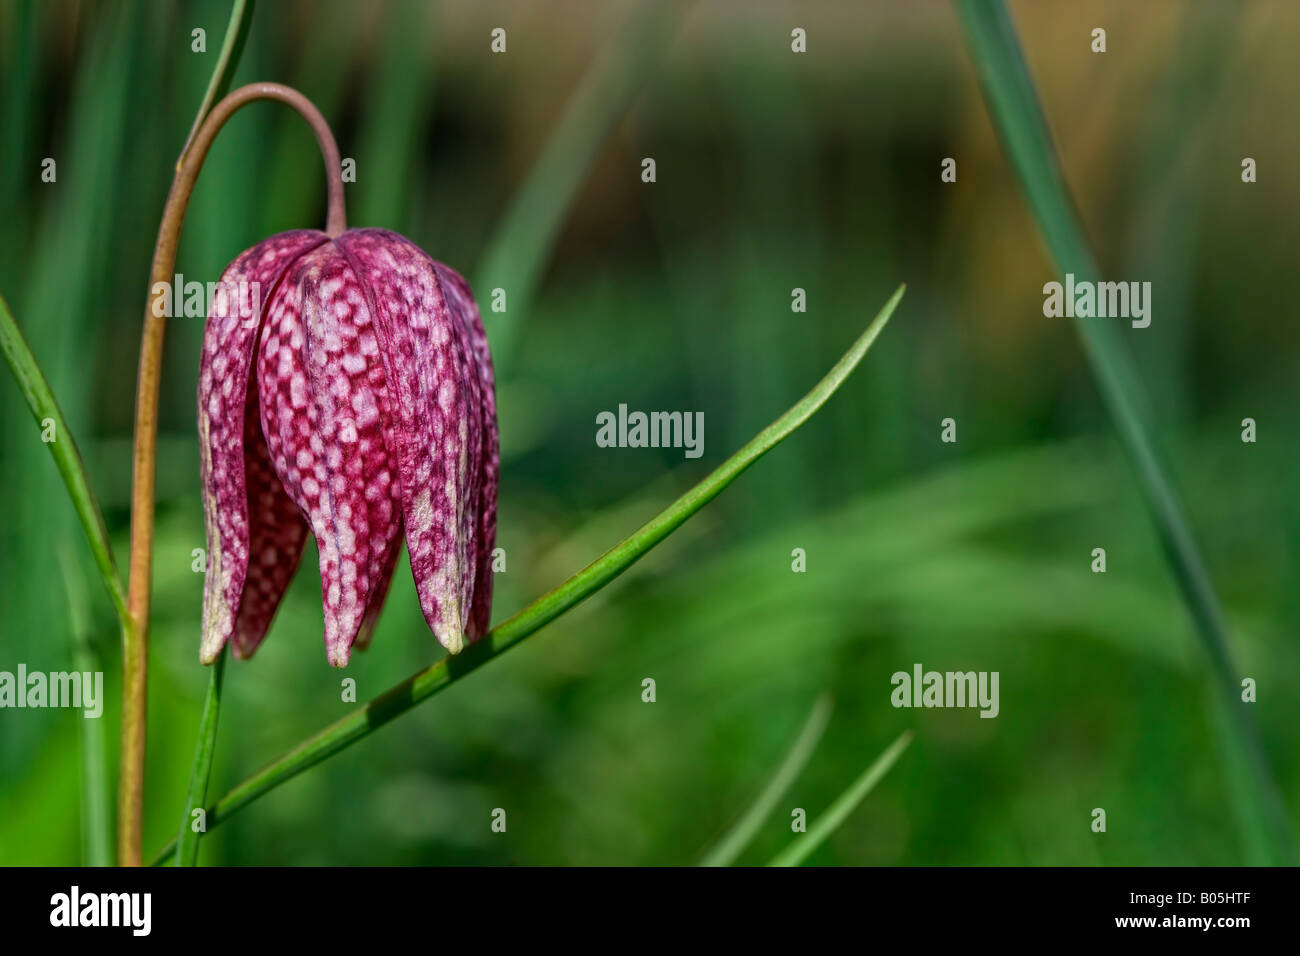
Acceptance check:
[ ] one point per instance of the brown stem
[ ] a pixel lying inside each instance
(135, 637)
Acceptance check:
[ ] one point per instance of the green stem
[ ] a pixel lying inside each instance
(437, 677)
(187, 849)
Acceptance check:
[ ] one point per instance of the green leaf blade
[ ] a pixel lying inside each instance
(1013, 103)
(733, 843)
(63, 448)
(803, 846)
(96, 817)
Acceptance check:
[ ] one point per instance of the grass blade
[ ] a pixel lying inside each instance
(802, 846)
(1013, 102)
(187, 843)
(516, 255)
(241, 17)
(424, 684)
(45, 410)
(96, 822)
(725, 851)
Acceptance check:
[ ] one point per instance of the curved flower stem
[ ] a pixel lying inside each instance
(136, 633)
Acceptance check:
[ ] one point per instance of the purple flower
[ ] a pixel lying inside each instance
(369, 409)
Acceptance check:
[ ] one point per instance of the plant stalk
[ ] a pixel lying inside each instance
(135, 633)
(187, 842)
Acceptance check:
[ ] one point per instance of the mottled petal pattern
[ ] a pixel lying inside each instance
(246, 512)
(322, 386)
(374, 414)
(460, 300)
(277, 535)
(437, 430)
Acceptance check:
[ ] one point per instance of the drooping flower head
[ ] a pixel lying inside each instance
(354, 399)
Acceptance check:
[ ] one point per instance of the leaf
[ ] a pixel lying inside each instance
(803, 845)
(725, 851)
(437, 677)
(45, 410)
(1013, 103)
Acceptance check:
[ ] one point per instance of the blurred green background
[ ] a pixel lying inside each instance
(774, 171)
